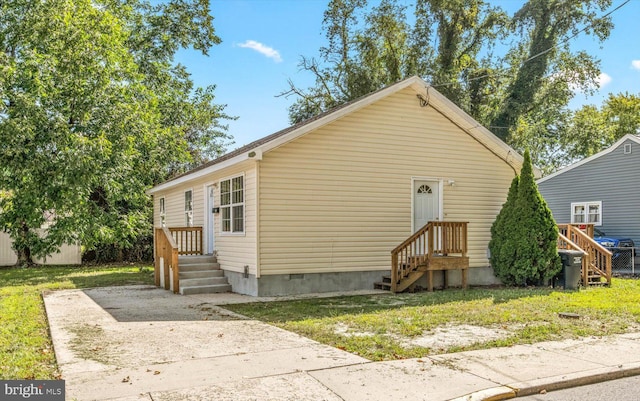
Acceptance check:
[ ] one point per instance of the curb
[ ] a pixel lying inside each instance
(523, 389)
(576, 379)
(489, 394)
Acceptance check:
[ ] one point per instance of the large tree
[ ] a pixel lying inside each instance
(544, 55)
(592, 129)
(92, 112)
(504, 71)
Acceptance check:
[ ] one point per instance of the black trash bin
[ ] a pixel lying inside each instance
(571, 273)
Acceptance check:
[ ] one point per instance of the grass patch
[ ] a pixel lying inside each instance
(385, 327)
(26, 351)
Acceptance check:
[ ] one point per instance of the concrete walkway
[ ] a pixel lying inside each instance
(142, 343)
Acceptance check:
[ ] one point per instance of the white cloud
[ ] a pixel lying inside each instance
(262, 49)
(603, 80)
(635, 64)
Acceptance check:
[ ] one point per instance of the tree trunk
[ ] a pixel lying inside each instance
(23, 251)
(24, 257)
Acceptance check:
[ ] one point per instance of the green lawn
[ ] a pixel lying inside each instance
(378, 327)
(384, 327)
(26, 351)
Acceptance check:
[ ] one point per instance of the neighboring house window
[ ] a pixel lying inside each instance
(232, 205)
(188, 207)
(627, 149)
(162, 213)
(586, 212)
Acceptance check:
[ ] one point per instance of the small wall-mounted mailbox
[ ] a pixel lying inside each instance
(215, 210)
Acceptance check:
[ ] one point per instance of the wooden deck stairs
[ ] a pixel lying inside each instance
(438, 246)
(596, 261)
(442, 246)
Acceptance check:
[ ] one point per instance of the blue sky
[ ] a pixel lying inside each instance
(262, 41)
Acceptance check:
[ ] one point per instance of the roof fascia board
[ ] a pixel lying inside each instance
(592, 157)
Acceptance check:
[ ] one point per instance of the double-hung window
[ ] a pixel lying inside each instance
(188, 208)
(232, 204)
(586, 212)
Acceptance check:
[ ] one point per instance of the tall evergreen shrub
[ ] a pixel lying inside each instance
(501, 253)
(525, 237)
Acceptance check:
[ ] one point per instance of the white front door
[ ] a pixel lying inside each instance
(210, 216)
(426, 203)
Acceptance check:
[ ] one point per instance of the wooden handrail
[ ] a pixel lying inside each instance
(566, 243)
(166, 252)
(189, 240)
(597, 258)
(587, 228)
(435, 237)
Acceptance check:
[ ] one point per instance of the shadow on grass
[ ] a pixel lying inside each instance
(79, 276)
(317, 308)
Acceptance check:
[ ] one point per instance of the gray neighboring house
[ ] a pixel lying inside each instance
(602, 189)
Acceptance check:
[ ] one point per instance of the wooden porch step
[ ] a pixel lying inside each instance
(385, 284)
(442, 263)
(381, 285)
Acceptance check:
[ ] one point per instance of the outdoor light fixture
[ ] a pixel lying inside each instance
(451, 183)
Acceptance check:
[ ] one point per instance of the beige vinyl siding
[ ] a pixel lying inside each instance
(68, 255)
(339, 198)
(234, 250)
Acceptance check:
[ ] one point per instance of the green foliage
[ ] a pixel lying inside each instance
(382, 327)
(524, 236)
(543, 26)
(92, 113)
(26, 351)
(501, 255)
(592, 129)
(514, 74)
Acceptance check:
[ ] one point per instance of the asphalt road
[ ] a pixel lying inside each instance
(627, 389)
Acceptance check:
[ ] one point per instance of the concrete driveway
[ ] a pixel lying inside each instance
(143, 343)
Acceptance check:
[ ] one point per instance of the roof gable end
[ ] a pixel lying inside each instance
(592, 157)
(432, 97)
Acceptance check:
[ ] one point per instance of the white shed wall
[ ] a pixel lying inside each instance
(68, 255)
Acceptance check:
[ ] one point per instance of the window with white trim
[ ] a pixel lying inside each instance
(188, 208)
(232, 204)
(163, 213)
(586, 212)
